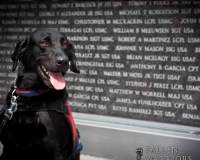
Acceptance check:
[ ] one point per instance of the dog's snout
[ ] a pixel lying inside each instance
(61, 60)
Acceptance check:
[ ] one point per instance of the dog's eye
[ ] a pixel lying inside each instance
(44, 43)
(64, 44)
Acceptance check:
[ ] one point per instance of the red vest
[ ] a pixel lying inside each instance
(77, 145)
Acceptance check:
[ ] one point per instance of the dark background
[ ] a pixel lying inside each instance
(138, 59)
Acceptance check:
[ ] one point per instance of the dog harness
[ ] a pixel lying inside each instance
(54, 106)
(77, 145)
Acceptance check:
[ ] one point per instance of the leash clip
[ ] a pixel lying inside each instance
(9, 112)
(13, 106)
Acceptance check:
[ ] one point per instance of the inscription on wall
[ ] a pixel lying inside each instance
(138, 59)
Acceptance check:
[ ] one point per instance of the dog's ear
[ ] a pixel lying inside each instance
(19, 50)
(72, 58)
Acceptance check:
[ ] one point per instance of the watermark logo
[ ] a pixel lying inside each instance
(161, 153)
(139, 152)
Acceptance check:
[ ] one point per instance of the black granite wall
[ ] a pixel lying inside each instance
(138, 59)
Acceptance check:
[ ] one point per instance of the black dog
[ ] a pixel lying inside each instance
(36, 122)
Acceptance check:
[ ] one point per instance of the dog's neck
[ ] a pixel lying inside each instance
(31, 91)
(32, 97)
(28, 92)
(29, 84)
(21, 84)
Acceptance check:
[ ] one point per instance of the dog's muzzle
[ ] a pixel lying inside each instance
(52, 70)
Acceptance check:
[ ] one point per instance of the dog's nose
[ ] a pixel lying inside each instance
(61, 61)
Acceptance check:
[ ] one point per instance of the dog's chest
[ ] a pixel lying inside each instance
(42, 128)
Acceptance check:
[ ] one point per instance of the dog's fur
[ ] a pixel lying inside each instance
(42, 135)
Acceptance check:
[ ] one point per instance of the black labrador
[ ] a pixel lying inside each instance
(36, 122)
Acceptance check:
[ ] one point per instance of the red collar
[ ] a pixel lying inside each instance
(29, 93)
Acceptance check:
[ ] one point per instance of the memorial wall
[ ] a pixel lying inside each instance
(138, 59)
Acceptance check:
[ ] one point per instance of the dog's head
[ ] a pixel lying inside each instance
(46, 52)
